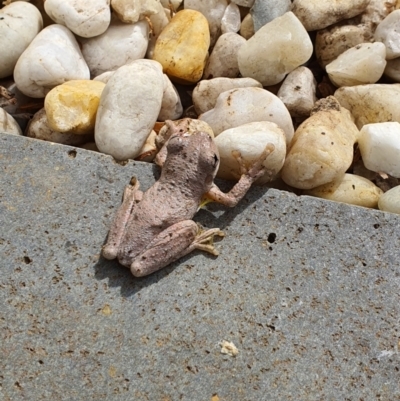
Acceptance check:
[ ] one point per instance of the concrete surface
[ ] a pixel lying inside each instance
(306, 289)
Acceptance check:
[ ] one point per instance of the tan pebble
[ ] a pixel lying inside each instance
(390, 201)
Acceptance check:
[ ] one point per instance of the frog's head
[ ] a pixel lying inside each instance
(197, 153)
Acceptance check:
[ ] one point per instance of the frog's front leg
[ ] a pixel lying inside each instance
(173, 243)
(131, 196)
(248, 177)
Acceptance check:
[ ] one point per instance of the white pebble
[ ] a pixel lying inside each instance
(390, 201)
(8, 124)
(129, 107)
(20, 23)
(206, 92)
(318, 14)
(244, 105)
(388, 32)
(85, 18)
(362, 64)
(298, 92)
(380, 147)
(250, 140)
(131, 11)
(230, 21)
(223, 59)
(171, 106)
(117, 46)
(51, 59)
(275, 50)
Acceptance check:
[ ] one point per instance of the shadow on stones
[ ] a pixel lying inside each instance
(216, 215)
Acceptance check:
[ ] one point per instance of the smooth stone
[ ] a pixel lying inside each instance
(390, 201)
(380, 147)
(129, 107)
(374, 103)
(20, 23)
(8, 124)
(213, 10)
(375, 13)
(118, 45)
(250, 140)
(171, 106)
(247, 27)
(265, 11)
(362, 64)
(51, 59)
(230, 21)
(245, 105)
(158, 22)
(318, 14)
(298, 92)
(392, 69)
(223, 61)
(322, 147)
(388, 32)
(182, 47)
(275, 50)
(131, 11)
(351, 189)
(72, 106)
(85, 18)
(335, 40)
(206, 92)
(104, 77)
(38, 128)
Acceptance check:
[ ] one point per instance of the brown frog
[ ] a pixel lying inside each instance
(153, 229)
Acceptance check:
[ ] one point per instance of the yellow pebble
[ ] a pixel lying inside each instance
(72, 106)
(182, 47)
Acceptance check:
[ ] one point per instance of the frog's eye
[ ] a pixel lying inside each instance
(216, 159)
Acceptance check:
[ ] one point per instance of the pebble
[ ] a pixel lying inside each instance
(171, 106)
(20, 23)
(322, 147)
(275, 50)
(206, 92)
(128, 109)
(230, 21)
(374, 103)
(351, 189)
(182, 47)
(213, 10)
(380, 147)
(390, 201)
(392, 69)
(52, 58)
(131, 11)
(223, 61)
(336, 39)
(85, 18)
(265, 11)
(250, 140)
(247, 27)
(318, 14)
(8, 124)
(388, 32)
(119, 45)
(362, 64)
(244, 105)
(158, 22)
(298, 92)
(72, 106)
(39, 128)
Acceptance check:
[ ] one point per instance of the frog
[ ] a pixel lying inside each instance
(154, 228)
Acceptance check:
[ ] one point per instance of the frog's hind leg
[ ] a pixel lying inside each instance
(131, 196)
(173, 243)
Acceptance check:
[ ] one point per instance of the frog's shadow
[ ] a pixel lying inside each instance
(215, 215)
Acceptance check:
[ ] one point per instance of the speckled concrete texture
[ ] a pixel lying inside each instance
(306, 289)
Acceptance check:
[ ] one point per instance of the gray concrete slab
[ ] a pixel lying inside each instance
(307, 290)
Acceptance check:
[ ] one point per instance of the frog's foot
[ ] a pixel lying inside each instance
(204, 240)
(256, 170)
